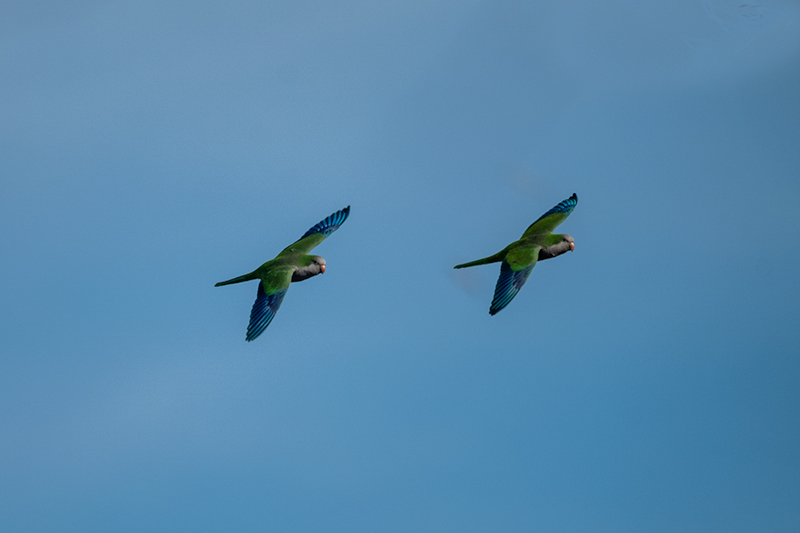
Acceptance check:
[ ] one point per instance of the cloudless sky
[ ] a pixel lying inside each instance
(645, 382)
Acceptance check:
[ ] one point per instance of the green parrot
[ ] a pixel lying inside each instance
(292, 264)
(536, 244)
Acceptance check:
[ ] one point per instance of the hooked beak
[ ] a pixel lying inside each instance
(572, 247)
(322, 268)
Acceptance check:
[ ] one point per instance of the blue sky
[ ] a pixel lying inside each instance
(645, 382)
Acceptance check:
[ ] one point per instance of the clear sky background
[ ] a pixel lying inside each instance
(646, 382)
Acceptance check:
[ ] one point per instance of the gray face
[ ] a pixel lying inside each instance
(317, 266)
(566, 244)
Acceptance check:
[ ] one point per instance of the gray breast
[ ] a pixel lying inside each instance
(554, 250)
(305, 272)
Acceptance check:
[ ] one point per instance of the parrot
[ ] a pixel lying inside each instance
(292, 264)
(518, 258)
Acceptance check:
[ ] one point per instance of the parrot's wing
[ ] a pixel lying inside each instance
(514, 272)
(318, 232)
(271, 290)
(548, 222)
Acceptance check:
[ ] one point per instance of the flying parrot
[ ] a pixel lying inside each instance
(292, 264)
(536, 244)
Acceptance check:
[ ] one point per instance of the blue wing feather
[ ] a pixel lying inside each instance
(565, 207)
(264, 309)
(508, 285)
(548, 222)
(330, 224)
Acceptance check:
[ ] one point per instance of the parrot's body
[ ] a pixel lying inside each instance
(292, 264)
(536, 244)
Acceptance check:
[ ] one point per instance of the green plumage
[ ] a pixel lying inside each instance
(518, 258)
(292, 264)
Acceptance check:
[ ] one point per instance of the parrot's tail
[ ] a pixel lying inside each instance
(246, 277)
(499, 256)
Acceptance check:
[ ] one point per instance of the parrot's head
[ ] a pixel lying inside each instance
(564, 243)
(316, 265)
(319, 262)
(570, 242)
(561, 244)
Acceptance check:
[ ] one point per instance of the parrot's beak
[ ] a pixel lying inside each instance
(322, 267)
(571, 248)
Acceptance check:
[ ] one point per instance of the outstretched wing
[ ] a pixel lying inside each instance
(319, 232)
(548, 222)
(514, 272)
(271, 290)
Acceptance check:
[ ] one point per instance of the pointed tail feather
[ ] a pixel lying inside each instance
(485, 261)
(246, 277)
